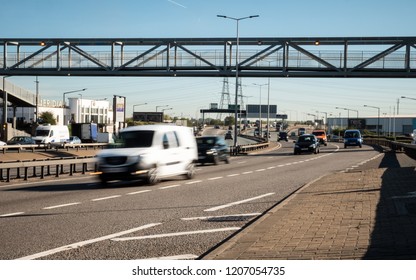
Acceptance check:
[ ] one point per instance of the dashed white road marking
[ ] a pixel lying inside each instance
(175, 234)
(241, 162)
(86, 242)
(139, 192)
(247, 172)
(105, 198)
(220, 217)
(12, 214)
(215, 178)
(178, 257)
(193, 182)
(260, 170)
(168, 187)
(233, 175)
(237, 202)
(61, 205)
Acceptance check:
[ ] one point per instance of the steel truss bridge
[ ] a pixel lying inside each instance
(365, 57)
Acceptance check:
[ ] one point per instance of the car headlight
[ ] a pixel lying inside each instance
(210, 152)
(297, 146)
(312, 146)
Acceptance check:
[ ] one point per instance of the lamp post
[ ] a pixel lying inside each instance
(260, 85)
(5, 97)
(237, 20)
(72, 91)
(348, 113)
(80, 109)
(161, 106)
(138, 105)
(378, 118)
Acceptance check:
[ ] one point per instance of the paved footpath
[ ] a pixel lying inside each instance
(368, 212)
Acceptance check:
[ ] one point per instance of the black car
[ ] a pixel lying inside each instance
(21, 140)
(212, 149)
(283, 136)
(229, 135)
(307, 143)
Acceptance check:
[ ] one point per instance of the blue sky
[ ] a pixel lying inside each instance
(197, 18)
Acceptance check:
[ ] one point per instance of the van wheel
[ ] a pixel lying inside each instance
(190, 171)
(152, 178)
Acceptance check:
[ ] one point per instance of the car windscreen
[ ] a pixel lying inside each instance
(318, 133)
(206, 141)
(136, 139)
(42, 132)
(305, 139)
(351, 134)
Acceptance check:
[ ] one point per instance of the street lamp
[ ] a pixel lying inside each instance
(80, 109)
(260, 85)
(408, 97)
(163, 110)
(138, 105)
(237, 20)
(72, 91)
(378, 118)
(161, 106)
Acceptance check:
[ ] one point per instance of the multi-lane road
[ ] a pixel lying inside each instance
(77, 218)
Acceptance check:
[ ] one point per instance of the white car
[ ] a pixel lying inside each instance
(2, 143)
(149, 152)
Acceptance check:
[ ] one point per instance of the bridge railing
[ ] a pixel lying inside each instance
(408, 149)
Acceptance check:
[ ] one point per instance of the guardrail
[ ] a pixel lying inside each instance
(408, 149)
(243, 149)
(57, 146)
(41, 168)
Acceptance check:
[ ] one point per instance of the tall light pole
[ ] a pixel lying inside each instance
(80, 108)
(4, 124)
(161, 106)
(138, 105)
(63, 99)
(72, 91)
(237, 20)
(378, 118)
(348, 113)
(260, 85)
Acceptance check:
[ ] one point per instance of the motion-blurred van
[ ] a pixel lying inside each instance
(149, 152)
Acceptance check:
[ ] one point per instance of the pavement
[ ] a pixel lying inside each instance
(365, 212)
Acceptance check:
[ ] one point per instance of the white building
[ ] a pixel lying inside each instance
(387, 124)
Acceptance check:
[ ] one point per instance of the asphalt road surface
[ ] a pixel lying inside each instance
(77, 218)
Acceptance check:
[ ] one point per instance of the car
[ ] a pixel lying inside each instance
(283, 136)
(21, 140)
(266, 134)
(150, 153)
(352, 137)
(301, 131)
(2, 143)
(321, 135)
(306, 143)
(212, 149)
(229, 135)
(74, 140)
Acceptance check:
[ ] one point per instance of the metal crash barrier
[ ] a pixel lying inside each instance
(41, 168)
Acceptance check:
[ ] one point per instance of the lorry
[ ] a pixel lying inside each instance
(47, 134)
(87, 132)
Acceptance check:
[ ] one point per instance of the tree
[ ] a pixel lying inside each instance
(47, 117)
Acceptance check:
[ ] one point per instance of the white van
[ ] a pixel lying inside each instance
(149, 152)
(46, 134)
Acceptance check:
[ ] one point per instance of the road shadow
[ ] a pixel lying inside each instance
(394, 233)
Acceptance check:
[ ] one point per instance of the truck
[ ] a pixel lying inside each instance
(47, 134)
(87, 132)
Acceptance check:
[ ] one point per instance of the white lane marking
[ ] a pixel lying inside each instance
(271, 167)
(168, 187)
(86, 242)
(233, 175)
(139, 192)
(178, 257)
(105, 198)
(61, 205)
(175, 234)
(260, 170)
(219, 217)
(237, 202)
(241, 162)
(247, 172)
(215, 178)
(12, 214)
(193, 182)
